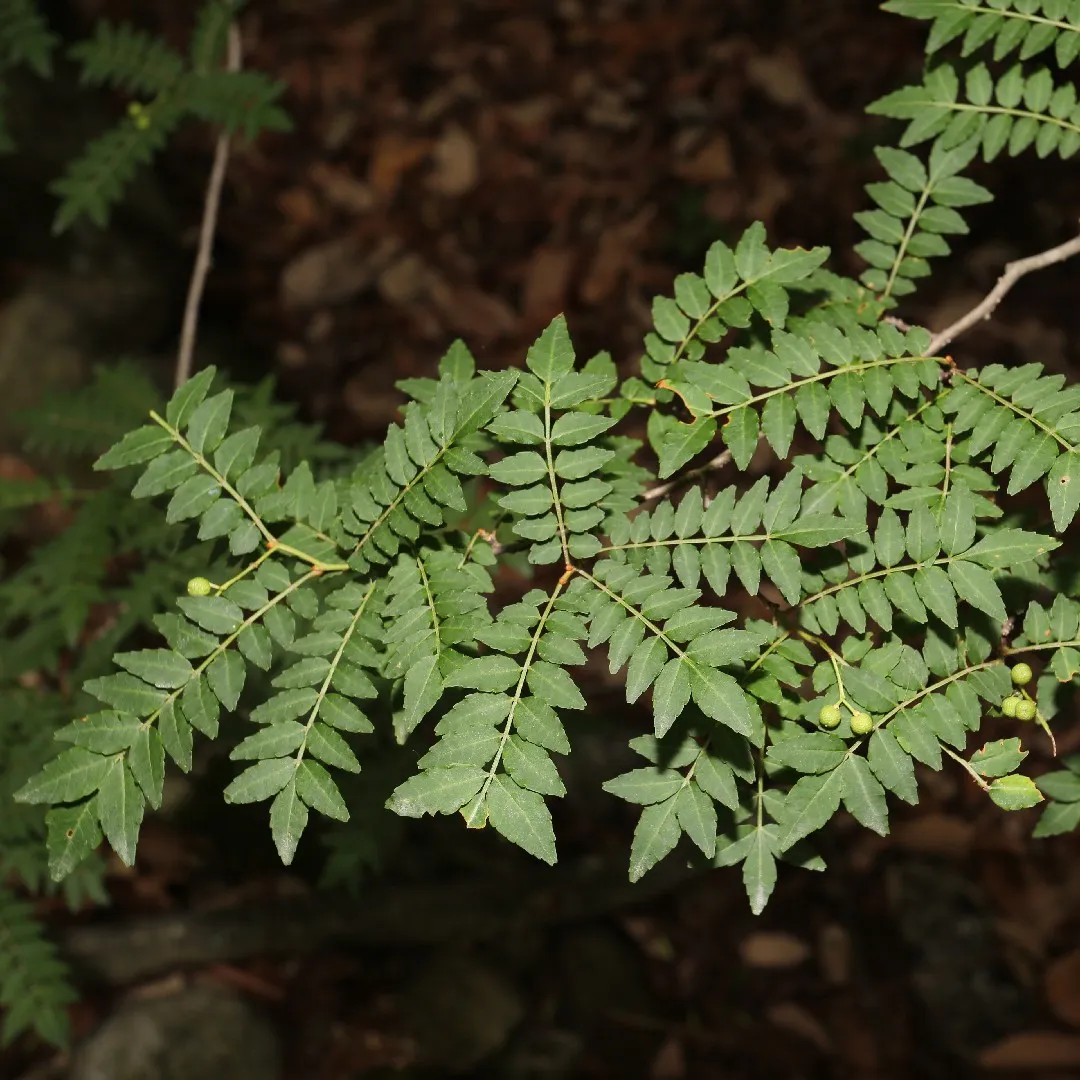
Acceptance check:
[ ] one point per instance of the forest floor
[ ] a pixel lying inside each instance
(470, 168)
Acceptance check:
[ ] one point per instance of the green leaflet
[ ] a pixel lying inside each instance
(998, 758)
(682, 442)
(522, 817)
(213, 613)
(552, 355)
(671, 692)
(226, 675)
(1063, 786)
(1009, 547)
(1015, 792)
(696, 813)
(811, 802)
(127, 694)
(531, 767)
(1058, 818)
(70, 776)
(538, 722)
(120, 806)
(35, 984)
(317, 789)
(892, 765)
(719, 697)
(276, 740)
(814, 752)
(73, 833)
(136, 447)
(146, 762)
(437, 791)
(288, 819)
(759, 869)
(487, 673)
(519, 469)
(863, 795)
(423, 687)
(201, 707)
(976, 586)
(657, 832)
(103, 732)
(645, 664)
(645, 785)
(188, 397)
(553, 685)
(262, 780)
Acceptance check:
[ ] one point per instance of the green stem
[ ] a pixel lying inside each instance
(325, 688)
(474, 808)
(909, 232)
(227, 641)
(649, 624)
(219, 478)
(1026, 414)
(430, 598)
(551, 476)
(831, 373)
(956, 676)
(398, 499)
(967, 767)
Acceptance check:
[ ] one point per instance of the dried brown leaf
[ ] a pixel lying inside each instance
(1063, 987)
(773, 949)
(1033, 1050)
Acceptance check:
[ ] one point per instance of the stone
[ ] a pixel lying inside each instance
(197, 1033)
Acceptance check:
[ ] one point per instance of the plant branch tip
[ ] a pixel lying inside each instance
(207, 229)
(1012, 273)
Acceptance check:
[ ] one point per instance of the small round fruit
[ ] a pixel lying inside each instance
(861, 723)
(199, 586)
(1010, 704)
(1021, 675)
(1026, 710)
(829, 717)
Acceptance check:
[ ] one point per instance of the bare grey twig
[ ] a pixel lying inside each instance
(1011, 275)
(203, 256)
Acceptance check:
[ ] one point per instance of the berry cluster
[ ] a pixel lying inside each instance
(830, 716)
(1020, 705)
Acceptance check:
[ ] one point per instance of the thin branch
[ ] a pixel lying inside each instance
(661, 490)
(1013, 272)
(203, 257)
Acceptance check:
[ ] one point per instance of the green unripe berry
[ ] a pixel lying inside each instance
(1009, 705)
(829, 717)
(139, 116)
(199, 586)
(861, 723)
(1021, 675)
(1026, 710)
